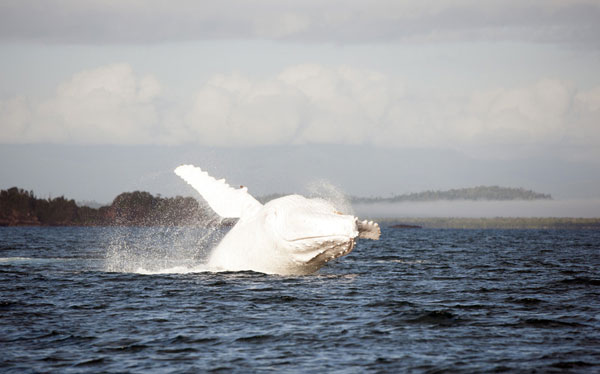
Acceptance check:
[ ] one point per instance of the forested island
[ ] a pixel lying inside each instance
(22, 208)
(472, 193)
(478, 193)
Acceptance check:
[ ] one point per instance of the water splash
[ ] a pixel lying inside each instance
(333, 194)
(161, 249)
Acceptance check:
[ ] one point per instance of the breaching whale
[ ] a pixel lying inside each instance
(289, 235)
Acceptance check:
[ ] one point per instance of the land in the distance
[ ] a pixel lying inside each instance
(495, 193)
(22, 208)
(550, 223)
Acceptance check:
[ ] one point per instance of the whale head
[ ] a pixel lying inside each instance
(311, 231)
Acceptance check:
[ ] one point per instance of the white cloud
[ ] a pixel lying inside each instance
(533, 114)
(317, 104)
(304, 104)
(233, 110)
(107, 105)
(585, 127)
(15, 116)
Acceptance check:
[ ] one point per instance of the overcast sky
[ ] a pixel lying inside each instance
(508, 92)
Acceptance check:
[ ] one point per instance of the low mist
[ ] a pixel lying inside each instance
(482, 209)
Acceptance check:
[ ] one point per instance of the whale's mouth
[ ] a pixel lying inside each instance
(332, 253)
(318, 250)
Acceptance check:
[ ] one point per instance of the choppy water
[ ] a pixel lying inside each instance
(418, 301)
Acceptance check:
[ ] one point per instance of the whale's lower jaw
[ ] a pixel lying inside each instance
(278, 259)
(325, 252)
(328, 252)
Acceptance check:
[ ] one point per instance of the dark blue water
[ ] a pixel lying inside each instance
(419, 301)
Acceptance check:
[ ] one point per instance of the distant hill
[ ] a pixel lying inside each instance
(472, 193)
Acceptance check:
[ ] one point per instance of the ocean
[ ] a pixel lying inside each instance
(133, 300)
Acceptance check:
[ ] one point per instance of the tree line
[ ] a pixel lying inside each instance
(471, 193)
(479, 193)
(19, 207)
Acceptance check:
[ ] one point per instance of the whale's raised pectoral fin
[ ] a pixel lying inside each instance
(226, 201)
(368, 230)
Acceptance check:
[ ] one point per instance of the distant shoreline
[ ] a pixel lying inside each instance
(498, 223)
(549, 223)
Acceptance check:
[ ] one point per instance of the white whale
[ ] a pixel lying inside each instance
(288, 235)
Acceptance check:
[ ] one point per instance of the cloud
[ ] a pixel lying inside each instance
(585, 126)
(135, 21)
(302, 104)
(234, 110)
(107, 105)
(532, 114)
(305, 104)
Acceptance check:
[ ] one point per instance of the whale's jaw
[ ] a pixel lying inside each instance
(330, 250)
(317, 251)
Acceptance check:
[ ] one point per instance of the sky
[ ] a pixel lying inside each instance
(378, 97)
